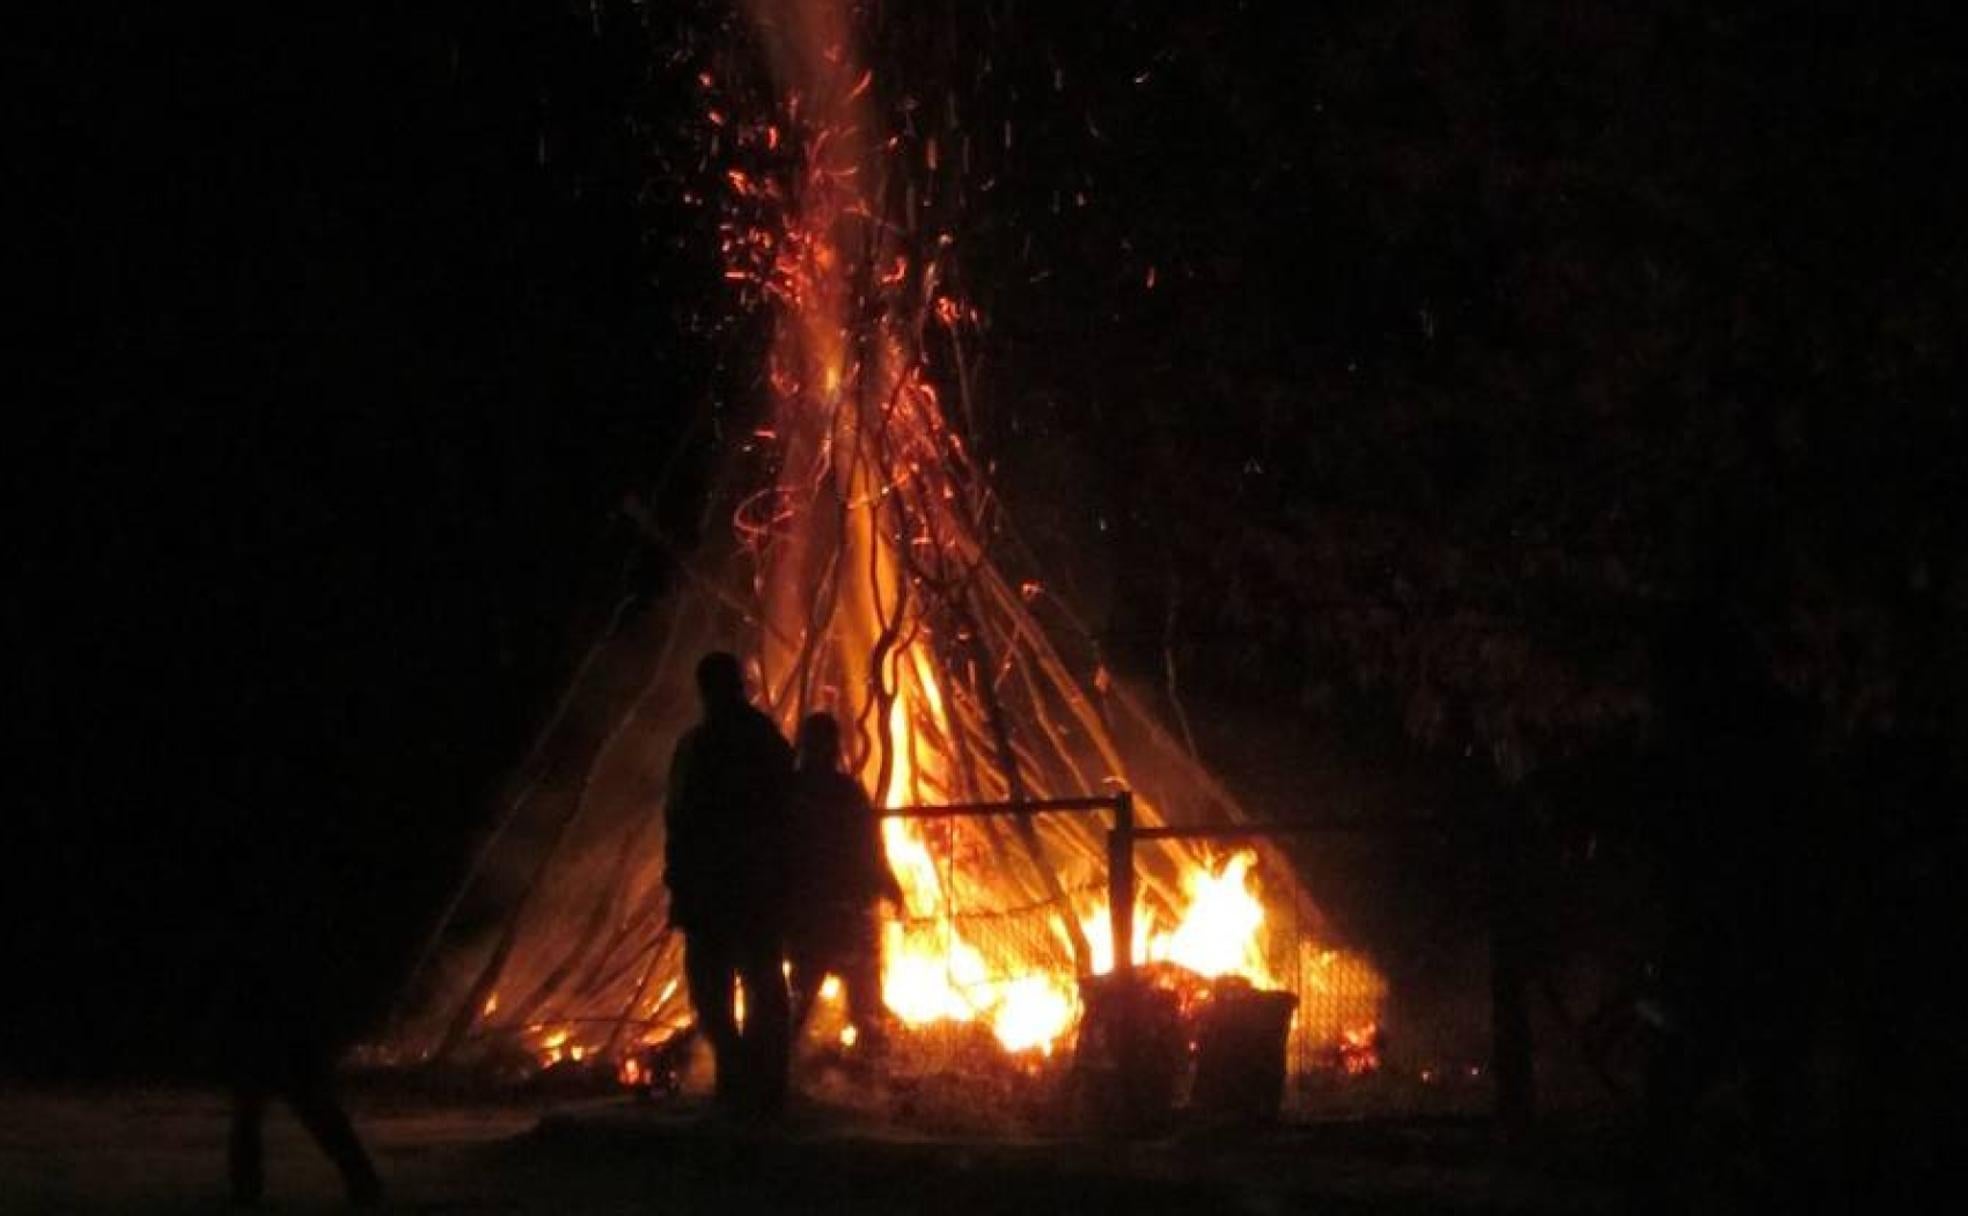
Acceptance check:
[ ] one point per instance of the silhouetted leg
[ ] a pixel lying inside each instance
(865, 1009)
(313, 1099)
(768, 1024)
(707, 968)
(860, 972)
(244, 1165)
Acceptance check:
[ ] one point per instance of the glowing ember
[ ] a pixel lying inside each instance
(1359, 1050)
(552, 1047)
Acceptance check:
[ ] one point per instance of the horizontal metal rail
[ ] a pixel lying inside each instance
(981, 810)
(1123, 837)
(1120, 846)
(1243, 831)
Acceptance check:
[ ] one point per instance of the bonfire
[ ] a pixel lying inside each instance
(867, 575)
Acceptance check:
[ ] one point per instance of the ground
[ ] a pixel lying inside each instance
(162, 1151)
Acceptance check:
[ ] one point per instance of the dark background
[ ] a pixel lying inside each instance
(1549, 418)
(336, 379)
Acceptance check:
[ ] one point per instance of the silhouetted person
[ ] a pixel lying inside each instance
(725, 865)
(840, 871)
(278, 1039)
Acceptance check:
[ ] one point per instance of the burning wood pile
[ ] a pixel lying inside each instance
(866, 582)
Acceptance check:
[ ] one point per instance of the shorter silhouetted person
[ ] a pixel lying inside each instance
(839, 872)
(725, 865)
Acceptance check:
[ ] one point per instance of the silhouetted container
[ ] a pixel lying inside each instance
(1240, 1054)
(1129, 1058)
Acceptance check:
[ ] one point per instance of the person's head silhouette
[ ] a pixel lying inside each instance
(818, 744)
(720, 682)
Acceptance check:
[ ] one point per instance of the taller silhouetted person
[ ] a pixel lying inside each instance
(725, 859)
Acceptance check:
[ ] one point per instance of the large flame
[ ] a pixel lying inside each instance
(857, 419)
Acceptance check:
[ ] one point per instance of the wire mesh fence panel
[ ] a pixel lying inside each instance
(1272, 1004)
(984, 957)
(1008, 916)
(1393, 1015)
(997, 968)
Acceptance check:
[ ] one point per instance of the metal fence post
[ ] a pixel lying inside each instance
(1120, 882)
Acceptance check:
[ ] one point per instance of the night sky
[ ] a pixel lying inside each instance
(1478, 404)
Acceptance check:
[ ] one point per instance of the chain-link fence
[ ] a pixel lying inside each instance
(1009, 917)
